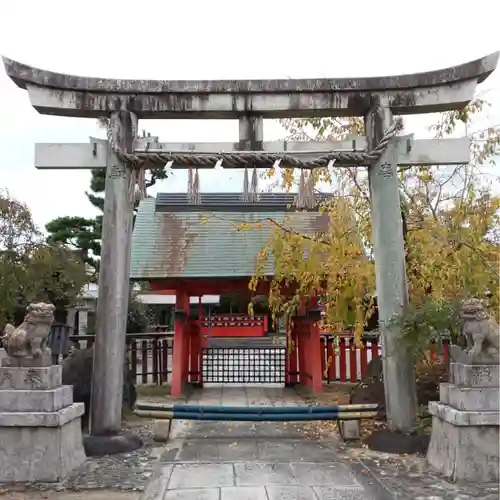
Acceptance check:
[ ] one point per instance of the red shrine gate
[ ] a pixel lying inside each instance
(196, 361)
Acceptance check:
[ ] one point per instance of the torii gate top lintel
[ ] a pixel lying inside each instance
(432, 91)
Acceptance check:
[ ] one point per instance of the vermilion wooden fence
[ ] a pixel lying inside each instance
(343, 361)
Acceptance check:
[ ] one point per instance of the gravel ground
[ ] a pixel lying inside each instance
(65, 495)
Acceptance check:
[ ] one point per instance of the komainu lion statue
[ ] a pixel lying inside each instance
(481, 332)
(29, 339)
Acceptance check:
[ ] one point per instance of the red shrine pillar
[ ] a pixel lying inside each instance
(291, 360)
(180, 359)
(187, 344)
(195, 348)
(315, 354)
(302, 328)
(309, 349)
(302, 335)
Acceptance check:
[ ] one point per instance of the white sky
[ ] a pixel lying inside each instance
(212, 40)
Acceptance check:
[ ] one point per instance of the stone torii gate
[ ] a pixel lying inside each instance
(250, 102)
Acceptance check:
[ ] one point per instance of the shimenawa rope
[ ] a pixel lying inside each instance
(256, 159)
(253, 159)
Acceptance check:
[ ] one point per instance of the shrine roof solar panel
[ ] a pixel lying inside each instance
(174, 238)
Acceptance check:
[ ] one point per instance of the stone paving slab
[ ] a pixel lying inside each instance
(201, 475)
(192, 494)
(333, 493)
(247, 449)
(256, 473)
(234, 430)
(323, 474)
(267, 493)
(244, 493)
(244, 396)
(290, 493)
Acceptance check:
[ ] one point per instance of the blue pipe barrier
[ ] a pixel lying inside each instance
(255, 417)
(256, 413)
(256, 410)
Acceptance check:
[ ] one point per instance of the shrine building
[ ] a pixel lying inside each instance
(198, 249)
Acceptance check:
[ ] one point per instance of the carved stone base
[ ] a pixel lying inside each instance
(465, 426)
(40, 427)
(36, 378)
(464, 452)
(40, 454)
(469, 358)
(474, 376)
(36, 401)
(470, 399)
(35, 362)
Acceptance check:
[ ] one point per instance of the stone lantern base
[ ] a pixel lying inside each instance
(40, 429)
(465, 426)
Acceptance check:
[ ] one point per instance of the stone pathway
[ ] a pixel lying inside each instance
(254, 461)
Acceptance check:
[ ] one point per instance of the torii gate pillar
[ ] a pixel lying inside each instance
(390, 270)
(112, 306)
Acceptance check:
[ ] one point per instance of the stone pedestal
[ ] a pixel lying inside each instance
(465, 426)
(40, 429)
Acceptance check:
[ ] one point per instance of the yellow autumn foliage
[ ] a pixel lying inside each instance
(454, 254)
(451, 225)
(333, 265)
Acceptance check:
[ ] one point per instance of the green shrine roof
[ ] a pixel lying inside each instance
(174, 238)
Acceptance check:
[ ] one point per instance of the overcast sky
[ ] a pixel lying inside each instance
(215, 40)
